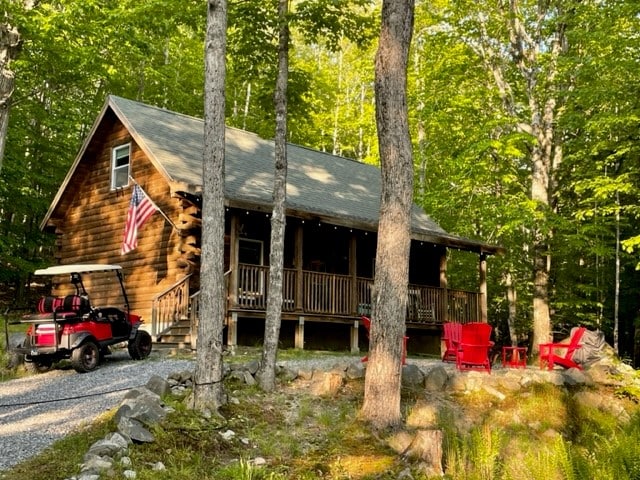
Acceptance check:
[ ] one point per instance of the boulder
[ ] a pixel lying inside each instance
(426, 446)
(412, 377)
(326, 384)
(158, 385)
(355, 371)
(423, 415)
(436, 379)
(133, 429)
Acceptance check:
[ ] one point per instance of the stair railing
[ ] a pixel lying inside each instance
(194, 315)
(170, 306)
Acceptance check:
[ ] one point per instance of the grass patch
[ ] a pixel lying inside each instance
(63, 458)
(8, 368)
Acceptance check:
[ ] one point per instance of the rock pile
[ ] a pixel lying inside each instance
(139, 410)
(143, 407)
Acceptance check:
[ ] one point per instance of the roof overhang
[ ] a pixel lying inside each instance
(449, 241)
(460, 243)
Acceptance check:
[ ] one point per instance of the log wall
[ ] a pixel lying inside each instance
(90, 218)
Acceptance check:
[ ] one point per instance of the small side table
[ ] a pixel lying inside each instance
(514, 357)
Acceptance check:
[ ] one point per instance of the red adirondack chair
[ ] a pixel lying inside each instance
(451, 337)
(550, 356)
(474, 346)
(366, 322)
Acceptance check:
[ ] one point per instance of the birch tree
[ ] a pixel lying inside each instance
(315, 20)
(520, 43)
(208, 388)
(266, 374)
(381, 407)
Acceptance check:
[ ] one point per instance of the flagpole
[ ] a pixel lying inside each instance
(154, 204)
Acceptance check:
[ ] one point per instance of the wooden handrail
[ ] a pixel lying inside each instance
(194, 310)
(167, 290)
(170, 306)
(331, 294)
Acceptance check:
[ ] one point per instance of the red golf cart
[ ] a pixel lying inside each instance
(70, 327)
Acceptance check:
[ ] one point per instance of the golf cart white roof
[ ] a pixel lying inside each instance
(76, 268)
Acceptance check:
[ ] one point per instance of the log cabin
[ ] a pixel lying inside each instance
(332, 210)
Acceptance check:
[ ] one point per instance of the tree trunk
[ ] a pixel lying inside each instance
(540, 91)
(247, 102)
(381, 407)
(512, 306)
(9, 41)
(541, 192)
(616, 298)
(266, 374)
(336, 109)
(208, 388)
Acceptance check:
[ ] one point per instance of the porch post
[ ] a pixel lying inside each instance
(444, 307)
(233, 260)
(483, 287)
(298, 250)
(299, 335)
(232, 330)
(355, 337)
(353, 273)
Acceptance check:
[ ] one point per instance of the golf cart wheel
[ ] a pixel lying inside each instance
(140, 347)
(86, 357)
(37, 367)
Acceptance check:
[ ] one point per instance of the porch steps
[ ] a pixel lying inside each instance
(176, 339)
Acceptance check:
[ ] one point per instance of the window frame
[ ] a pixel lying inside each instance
(115, 169)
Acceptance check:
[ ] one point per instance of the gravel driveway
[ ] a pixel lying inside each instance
(37, 410)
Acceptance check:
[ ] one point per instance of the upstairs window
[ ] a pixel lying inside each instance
(120, 161)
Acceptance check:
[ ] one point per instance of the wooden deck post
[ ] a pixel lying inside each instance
(298, 249)
(355, 331)
(299, 335)
(483, 287)
(444, 308)
(353, 273)
(233, 261)
(232, 330)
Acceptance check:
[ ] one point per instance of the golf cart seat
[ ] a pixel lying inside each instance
(76, 303)
(60, 308)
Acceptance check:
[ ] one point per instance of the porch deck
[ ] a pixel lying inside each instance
(313, 297)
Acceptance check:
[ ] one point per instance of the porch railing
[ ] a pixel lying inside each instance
(170, 306)
(327, 293)
(331, 294)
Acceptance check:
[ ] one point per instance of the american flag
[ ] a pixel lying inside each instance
(140, 209)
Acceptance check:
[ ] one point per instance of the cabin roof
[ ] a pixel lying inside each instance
(321, 186)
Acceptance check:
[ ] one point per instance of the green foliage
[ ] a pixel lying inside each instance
(474, 455)
(72, 55)
(319, 33)
(330, 22)
(472, 158)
